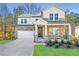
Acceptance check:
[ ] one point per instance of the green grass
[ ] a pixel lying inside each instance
(41, 50)
(2, 42)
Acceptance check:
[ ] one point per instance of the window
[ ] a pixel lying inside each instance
(25, 21)
(56, 16)
(21, 21)
(55, 31)
(51, 16)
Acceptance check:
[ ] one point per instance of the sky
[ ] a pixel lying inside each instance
(73, 7)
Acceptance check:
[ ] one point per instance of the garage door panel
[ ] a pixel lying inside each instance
(25, 34)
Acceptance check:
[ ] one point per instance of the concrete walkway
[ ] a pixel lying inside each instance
(18, 47)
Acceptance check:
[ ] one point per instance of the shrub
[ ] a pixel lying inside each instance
(56, 45)
(77, 44)
(69, 42)
(68, 46)
(53, 43)
(78, 38)
(74, 38)
(56, 41)
(49, 43)
(62, 41)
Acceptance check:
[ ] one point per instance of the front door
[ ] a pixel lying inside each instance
(40, 31)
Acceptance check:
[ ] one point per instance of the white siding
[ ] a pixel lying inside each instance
(46, 14)
(53, 10)
(30, 21)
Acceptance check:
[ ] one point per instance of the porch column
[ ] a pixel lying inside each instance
(70, 34)
(36, 32)
(45, 31)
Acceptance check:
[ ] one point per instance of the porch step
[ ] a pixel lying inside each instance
(40, 39)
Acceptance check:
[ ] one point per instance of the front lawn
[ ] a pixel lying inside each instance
(41, 50)
(4, 41)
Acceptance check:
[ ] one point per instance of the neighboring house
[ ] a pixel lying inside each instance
(48, 24)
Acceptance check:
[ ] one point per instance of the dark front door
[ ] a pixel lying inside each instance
(40, 31)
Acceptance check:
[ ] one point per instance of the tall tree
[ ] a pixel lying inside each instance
(67, 11)
(4, 11)
(73, 19)
(1, 28)
(19, 10)
(32, 8)
(28, 8)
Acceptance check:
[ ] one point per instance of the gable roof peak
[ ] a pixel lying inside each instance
(54, 7)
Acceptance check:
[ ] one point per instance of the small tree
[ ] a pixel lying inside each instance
(9, 28)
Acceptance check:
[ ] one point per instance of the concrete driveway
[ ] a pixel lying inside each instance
(19, 47)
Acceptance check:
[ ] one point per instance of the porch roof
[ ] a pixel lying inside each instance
(40, 22)
(77, 27)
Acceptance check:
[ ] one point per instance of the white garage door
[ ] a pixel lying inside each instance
(25, 34)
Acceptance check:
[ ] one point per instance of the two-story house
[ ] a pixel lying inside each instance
(48, 24)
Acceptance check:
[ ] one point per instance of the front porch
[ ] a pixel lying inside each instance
(44, 32)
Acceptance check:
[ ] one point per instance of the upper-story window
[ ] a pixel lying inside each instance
(51, 16)
(56, 16)
(23, 21)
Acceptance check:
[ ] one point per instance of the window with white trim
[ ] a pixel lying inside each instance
(56, 16)
(23, 21)
(51, 16)
(55, 31)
